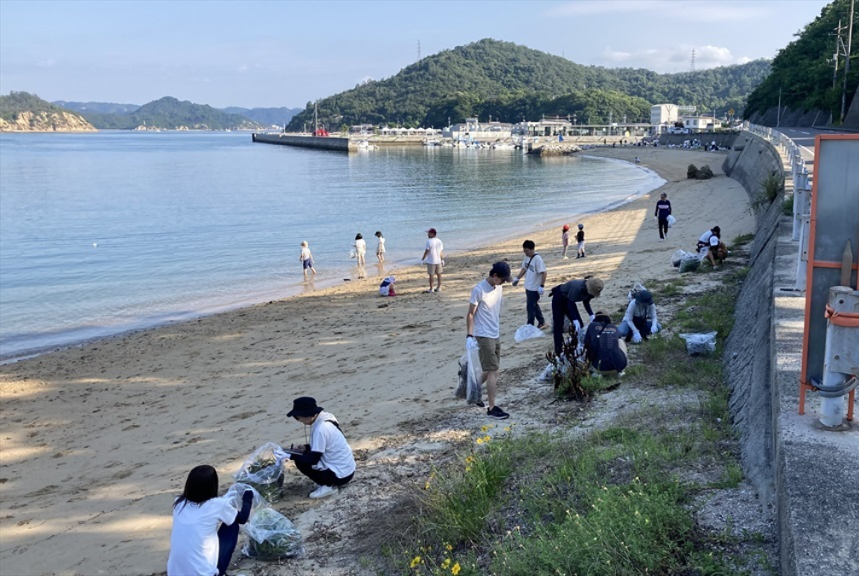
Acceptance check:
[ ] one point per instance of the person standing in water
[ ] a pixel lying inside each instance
(306, 259)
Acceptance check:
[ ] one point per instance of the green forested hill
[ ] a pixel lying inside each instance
(803, 70)
(508, 81)
(170, 114)
(18, 102)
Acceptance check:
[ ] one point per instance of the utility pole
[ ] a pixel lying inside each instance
(693, 59)
(847, 61)
(419, 50)
(778, 111)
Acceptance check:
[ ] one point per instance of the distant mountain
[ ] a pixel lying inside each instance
(97, 107)
(168, 113)
(24, 112)
(265, 116)
(509, 82)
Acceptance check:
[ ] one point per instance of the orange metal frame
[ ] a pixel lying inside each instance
(804, 385)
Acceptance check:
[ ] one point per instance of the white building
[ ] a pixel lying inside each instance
(663, 114)
(472, 129)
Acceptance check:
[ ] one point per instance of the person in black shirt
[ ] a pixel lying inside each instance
(663, 211)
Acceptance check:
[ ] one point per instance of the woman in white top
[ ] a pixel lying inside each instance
(360, 248)
(205, 527)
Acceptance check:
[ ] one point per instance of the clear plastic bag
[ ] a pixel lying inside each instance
(469, 387)
(271, 536)
(677, 257)
(352, 253)
(527, 331)
(263, 472)
(671, 220)
(237, 491)
(699, 344)
(690, 263)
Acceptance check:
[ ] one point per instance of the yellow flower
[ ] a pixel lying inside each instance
(455, 569)
(487, 438)
(445, 564)
(449, 547)
(480, 440)
(415, 562)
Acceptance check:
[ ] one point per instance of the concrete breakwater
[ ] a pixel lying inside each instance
(319, 142)
(808, 477)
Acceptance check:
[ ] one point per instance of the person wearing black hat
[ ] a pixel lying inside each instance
(328, 459)
(640, 317)
(482, 325)
(564, 298)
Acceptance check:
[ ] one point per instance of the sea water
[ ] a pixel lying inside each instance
(107, 232)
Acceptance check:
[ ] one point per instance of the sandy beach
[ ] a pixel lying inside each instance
(98, 439)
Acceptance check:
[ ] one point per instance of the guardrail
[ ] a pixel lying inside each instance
(802, 185)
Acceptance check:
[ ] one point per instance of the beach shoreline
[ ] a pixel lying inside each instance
(87, 334)
(98, 438)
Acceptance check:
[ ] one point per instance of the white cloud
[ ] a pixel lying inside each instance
(242, 68)
(673, 60)
(47, 63)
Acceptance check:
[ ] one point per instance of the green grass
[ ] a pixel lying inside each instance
(742, 240)
(613, 502)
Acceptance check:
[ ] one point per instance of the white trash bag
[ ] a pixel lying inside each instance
(671, 220)
(699, 344)
(677, 257)
(526, 332)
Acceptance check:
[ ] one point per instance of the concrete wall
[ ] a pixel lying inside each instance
(322, 142)
(748, 349)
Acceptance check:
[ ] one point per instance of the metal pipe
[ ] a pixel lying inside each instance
(841, 355)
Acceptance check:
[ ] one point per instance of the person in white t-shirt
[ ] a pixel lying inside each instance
(327, 459)
(534, 271)
(484, 333)
(434, 259)
(205, 527)
(306, 258)
(360, 248)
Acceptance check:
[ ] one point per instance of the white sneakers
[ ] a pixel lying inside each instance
(323, 491)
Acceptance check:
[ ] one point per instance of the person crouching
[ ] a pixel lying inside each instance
(328, 459)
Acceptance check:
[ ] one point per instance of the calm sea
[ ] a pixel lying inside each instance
(108, 232)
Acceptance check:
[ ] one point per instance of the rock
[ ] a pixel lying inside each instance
(704, 173)
(46, 122)
(691, 171)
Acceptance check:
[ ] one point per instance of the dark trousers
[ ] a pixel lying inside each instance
(562, 308)
(322, 477)
(663, 227)
(532, 306)
(228, 537)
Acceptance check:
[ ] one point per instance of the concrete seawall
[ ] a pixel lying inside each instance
(808, 477)
(318, 142)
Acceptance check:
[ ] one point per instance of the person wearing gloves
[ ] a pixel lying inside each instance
(663, 211)
(603, 346)
(640, 320)
(564, 299)
(327, 459)
(534, 271)
(482, 324)
(205, 526)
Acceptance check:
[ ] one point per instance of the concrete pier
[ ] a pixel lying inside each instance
(319, 142)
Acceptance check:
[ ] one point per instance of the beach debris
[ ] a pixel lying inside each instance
(704, 173)
(691, 171)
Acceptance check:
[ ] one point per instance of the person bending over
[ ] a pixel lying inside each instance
(205, 526)
(327, 459)
(564, 298)
(604, 348)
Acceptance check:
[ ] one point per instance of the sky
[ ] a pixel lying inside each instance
(288, 53)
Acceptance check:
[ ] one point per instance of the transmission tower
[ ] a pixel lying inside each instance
(693, 59)
(419, 50)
